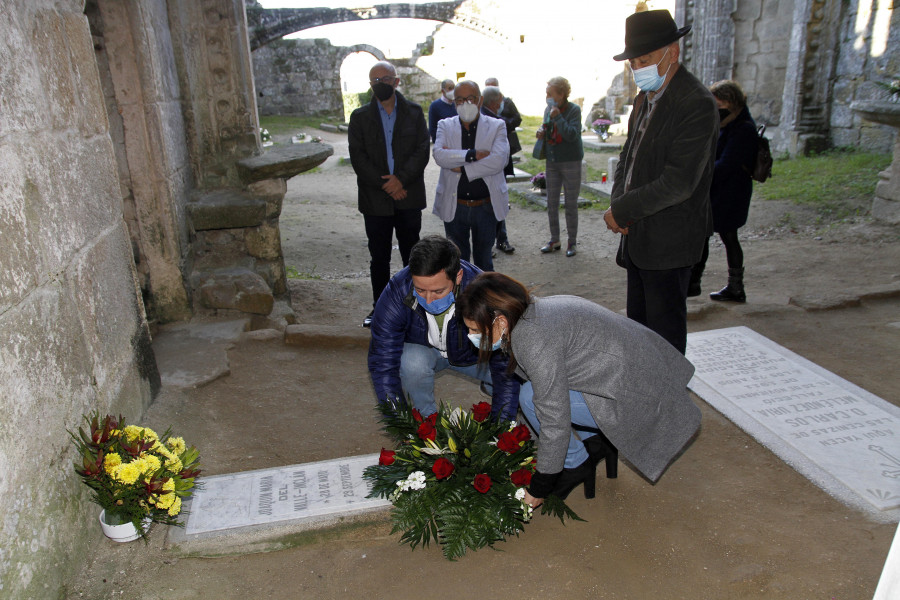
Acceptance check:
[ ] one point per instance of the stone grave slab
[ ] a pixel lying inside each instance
(292, 493)
(841, 437)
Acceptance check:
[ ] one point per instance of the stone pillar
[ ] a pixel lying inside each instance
(134, 55)
(808, 79)
(212, 53)
(708, 51)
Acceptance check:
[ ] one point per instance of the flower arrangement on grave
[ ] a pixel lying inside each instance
(265, 137)
(892, 88)
(539, 181)
(134, 473)
(456, 477)
(601, 128)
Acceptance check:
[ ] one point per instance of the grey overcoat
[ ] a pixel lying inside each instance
(633, 381)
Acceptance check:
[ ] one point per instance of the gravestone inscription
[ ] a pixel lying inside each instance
(285, 493)
(842, 437)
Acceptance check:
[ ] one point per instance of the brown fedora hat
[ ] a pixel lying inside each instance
(647, 31)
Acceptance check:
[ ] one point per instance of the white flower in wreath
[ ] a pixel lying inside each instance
(415, 481)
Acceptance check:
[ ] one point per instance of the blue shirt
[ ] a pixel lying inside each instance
(387, 123)
(439, 109)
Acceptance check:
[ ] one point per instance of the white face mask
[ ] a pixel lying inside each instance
(449, 95)
(467, 112)
(648, 78)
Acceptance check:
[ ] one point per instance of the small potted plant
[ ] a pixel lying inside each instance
(892, 88)
(137, 476)
(539, 182)
(601, 128)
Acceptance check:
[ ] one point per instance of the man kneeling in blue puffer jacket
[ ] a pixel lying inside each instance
(416, 334)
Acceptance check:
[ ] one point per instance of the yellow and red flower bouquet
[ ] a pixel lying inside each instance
(134, 473)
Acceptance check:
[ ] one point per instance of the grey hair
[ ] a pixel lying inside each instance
(491, 95)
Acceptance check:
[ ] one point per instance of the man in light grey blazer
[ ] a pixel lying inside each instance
(471, 197)
(660, 196)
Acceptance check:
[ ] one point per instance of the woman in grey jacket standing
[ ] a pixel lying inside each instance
(588, 369)
(561, 133)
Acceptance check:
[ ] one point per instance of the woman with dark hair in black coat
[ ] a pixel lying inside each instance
(731, 187)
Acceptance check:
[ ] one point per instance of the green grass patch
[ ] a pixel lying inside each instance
(287, 125)
(834, 182)
(293, 273)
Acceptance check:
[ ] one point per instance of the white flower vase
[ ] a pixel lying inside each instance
(126, 532)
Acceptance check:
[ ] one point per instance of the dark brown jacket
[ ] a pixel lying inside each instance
(667, 208)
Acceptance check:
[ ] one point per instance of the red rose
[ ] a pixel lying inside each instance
(521, 433)
(427, 431)
(508, 442)
(432, 418)
(521, 478)
(386, 458)
(482, 483)
(481, 411)
(442, 468)
(417, 415)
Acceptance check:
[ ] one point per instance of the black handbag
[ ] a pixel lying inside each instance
(539, 151)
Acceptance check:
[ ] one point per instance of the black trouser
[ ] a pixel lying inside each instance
(658, 300)
(380, 232)
(734, 254)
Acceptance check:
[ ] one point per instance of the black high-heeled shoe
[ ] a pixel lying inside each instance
(599, 448)
(569, 479)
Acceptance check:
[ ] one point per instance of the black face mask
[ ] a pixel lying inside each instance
(723, 114)
(383, 91)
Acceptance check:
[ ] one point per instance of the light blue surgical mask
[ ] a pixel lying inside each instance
(475, 338)
(551, 102)
(648, 78)
(438, 306)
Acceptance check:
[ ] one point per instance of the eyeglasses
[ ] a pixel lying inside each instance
(467, 100)
(388, 79)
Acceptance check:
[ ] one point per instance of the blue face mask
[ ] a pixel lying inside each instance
(438, 306)
(648, 78)
(475, 338)
(551, 102)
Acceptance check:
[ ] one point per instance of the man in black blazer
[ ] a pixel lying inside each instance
(389, 149)
(660, 196)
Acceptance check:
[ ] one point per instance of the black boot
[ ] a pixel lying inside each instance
(734, 291)
(694, 285)
(569, 479)
(599, 448)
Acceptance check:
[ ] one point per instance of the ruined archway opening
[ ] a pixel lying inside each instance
(355, 89)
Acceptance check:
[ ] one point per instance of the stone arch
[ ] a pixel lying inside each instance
(363, 48)
(268, 25)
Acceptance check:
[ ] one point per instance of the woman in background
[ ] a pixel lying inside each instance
(731, 187)
(561, 133)
(588, 369)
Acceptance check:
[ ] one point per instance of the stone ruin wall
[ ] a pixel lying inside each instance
(301, 77)
(832, 65)
(72, 332)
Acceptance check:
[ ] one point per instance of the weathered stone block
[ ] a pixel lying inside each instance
(226, 209)
(284, 161)
(264, 241)
(239, 289)
(272, 191)
(326, 336)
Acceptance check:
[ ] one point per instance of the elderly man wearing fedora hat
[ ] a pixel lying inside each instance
(660, 197)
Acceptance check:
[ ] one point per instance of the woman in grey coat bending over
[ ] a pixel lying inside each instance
(588, 369)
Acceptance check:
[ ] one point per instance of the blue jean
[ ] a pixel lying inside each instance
(418, 366)
(481, 222)
(577, 453)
